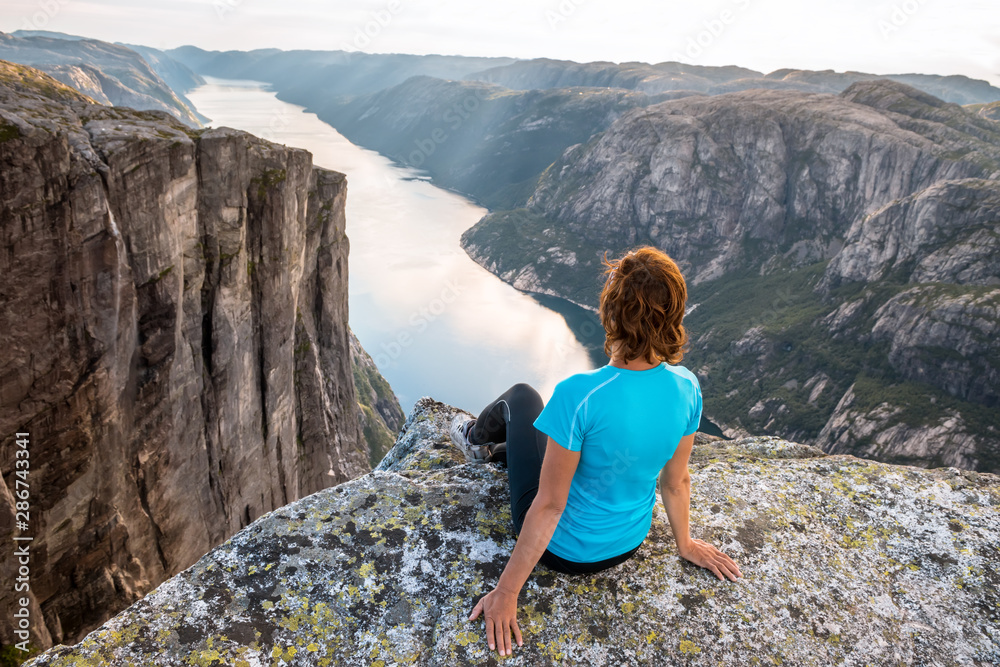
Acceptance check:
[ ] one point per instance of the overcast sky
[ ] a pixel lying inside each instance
(880, 36)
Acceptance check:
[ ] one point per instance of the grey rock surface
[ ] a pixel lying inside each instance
(175, 340)
(845, 561)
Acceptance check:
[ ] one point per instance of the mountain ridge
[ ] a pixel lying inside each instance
(676, 76)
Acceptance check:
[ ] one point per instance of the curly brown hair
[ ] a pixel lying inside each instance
(642, 306)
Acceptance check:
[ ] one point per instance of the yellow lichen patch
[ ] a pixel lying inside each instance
(204, 658)
(552, 651)
(466, 637)
(689, 647)
(530, 619)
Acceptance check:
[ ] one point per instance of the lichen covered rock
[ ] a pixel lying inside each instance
(845, 561)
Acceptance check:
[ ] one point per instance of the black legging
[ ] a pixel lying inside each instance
(511, 417)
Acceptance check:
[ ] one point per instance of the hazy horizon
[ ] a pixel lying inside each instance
(879, 37)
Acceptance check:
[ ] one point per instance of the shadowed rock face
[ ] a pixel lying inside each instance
(845, 562)
(175, 341)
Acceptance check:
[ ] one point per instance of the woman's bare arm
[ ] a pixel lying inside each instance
(500, 605)
(675, 492)
(558, 468)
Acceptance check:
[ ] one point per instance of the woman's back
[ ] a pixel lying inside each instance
(582, 470)
(626, 425)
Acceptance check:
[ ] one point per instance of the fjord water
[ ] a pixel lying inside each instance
(436, 323)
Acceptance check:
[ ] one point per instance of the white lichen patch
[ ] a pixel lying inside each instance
(845, 561)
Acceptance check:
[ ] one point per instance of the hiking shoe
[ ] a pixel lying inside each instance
(461, 427)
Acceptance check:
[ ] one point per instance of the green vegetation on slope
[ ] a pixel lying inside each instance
(511, 240)
(794, 347)
(29, 79)
(372, 390)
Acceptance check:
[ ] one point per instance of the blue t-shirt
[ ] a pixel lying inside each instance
(626, 425)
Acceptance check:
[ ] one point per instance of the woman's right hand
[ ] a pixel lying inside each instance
(705, 555)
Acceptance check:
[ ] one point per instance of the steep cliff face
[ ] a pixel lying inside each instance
(832, 243)
(844, 561)
(315, 78)
(175, 341)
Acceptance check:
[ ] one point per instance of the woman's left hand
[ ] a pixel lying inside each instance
(500, 609)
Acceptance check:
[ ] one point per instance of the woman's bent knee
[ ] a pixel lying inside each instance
(524, 391)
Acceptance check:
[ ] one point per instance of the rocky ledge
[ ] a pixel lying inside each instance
(845, 561)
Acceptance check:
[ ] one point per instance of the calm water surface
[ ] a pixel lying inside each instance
(436, 323)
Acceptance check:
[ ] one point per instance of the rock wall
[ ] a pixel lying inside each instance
(175, 341)
(845, 561)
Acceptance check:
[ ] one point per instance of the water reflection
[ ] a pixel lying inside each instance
(436, 323)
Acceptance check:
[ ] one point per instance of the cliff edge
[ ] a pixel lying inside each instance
(175, 345)
(845, 561)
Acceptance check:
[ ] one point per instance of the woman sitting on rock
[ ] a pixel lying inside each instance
(583, 470)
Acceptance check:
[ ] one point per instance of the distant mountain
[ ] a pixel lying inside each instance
(673, 76)
(47, 33)
(326, 74)
(483, 140)
(177, 75)
(108, 73)
(534, 110)
(663, 77)
(843, 255)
